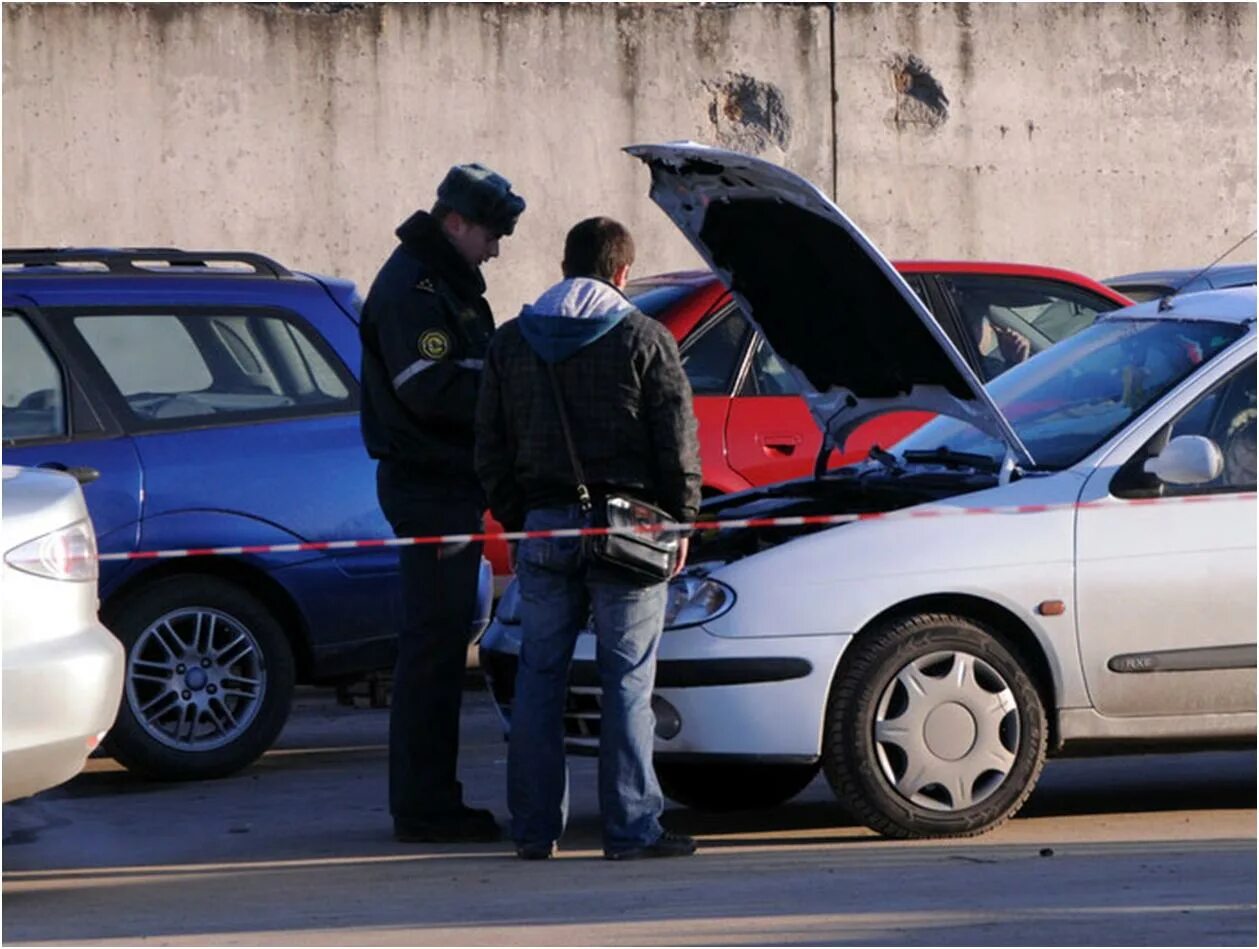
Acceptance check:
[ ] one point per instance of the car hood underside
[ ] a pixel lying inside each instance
(828, 302)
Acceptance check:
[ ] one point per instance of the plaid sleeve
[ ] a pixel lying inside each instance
(494, 453)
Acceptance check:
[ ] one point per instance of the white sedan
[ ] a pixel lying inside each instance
(1064, 562)
(62, 669)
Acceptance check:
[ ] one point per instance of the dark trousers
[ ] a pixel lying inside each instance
(439, 595)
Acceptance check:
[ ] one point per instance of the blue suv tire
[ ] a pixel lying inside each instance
(209, 679)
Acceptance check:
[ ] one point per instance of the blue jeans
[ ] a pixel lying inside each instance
(559, 591)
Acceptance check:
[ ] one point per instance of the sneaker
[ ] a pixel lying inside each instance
(468, 825)
(668, 844)
(543, 851)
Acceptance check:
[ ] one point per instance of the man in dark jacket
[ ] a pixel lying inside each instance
(425, 327)
(633, 427)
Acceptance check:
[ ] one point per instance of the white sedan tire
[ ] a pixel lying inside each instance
(934, 728)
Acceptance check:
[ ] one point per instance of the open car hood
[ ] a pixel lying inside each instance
(831, 306)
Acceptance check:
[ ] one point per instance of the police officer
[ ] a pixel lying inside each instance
(425, 328)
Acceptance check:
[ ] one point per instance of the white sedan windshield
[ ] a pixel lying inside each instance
(1071, 398)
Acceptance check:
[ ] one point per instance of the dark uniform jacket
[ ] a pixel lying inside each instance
(628, 402)
(425, 328)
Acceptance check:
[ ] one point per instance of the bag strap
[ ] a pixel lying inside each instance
(583, 493)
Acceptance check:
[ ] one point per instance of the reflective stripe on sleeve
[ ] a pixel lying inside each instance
(413, 370)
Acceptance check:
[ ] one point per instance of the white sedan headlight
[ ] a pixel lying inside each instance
(694, 600)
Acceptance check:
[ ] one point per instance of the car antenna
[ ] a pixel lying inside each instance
(1166, 302)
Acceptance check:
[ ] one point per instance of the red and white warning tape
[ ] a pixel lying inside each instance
(807, 520)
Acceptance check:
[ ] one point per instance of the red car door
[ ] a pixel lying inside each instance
(770, 435)
(713, 356)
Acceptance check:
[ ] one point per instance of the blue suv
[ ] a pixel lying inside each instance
(207, 400)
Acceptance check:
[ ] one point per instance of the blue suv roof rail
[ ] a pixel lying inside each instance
(134, 261)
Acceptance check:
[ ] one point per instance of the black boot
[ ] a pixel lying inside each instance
(466, 825)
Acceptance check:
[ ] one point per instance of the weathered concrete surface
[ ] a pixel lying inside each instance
(310, 135)
(1156, 850)
(1099, 137)
(1102, 137)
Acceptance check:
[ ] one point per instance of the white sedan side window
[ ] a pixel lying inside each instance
(1227, 416)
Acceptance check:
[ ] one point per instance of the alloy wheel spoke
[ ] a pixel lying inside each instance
(151, 671)
(165, 665)
(158, 706)
(237, 649)
(191, 718)
(176, 728)
(222, 717)
(169, 640)
(203, 635)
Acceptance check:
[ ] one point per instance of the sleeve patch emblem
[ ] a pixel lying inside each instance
(434, 344)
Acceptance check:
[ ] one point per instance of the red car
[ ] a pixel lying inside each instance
(753, 426)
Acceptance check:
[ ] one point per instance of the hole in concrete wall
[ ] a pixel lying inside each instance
(747, 114)
(920, 99)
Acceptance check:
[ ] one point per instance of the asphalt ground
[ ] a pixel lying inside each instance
(296, 850)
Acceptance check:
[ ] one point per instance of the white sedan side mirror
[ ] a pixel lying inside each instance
(1187, 460)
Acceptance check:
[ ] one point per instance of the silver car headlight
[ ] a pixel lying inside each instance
(694, 600)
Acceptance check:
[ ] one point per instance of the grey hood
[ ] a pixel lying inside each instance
(827, 300)
(572, 315)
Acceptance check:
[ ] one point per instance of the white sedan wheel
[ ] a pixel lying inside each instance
(934, 728)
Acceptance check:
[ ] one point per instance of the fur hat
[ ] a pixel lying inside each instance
(482, 196)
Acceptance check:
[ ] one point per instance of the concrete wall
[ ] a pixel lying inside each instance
(1099, 137)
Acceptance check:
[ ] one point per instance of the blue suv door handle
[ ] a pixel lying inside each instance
(81, 473)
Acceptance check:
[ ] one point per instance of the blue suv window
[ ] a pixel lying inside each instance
(206, 367)
(34, 393)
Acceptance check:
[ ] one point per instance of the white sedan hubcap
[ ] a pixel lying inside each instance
(946, 731)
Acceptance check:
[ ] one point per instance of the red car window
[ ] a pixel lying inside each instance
(713, 354)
